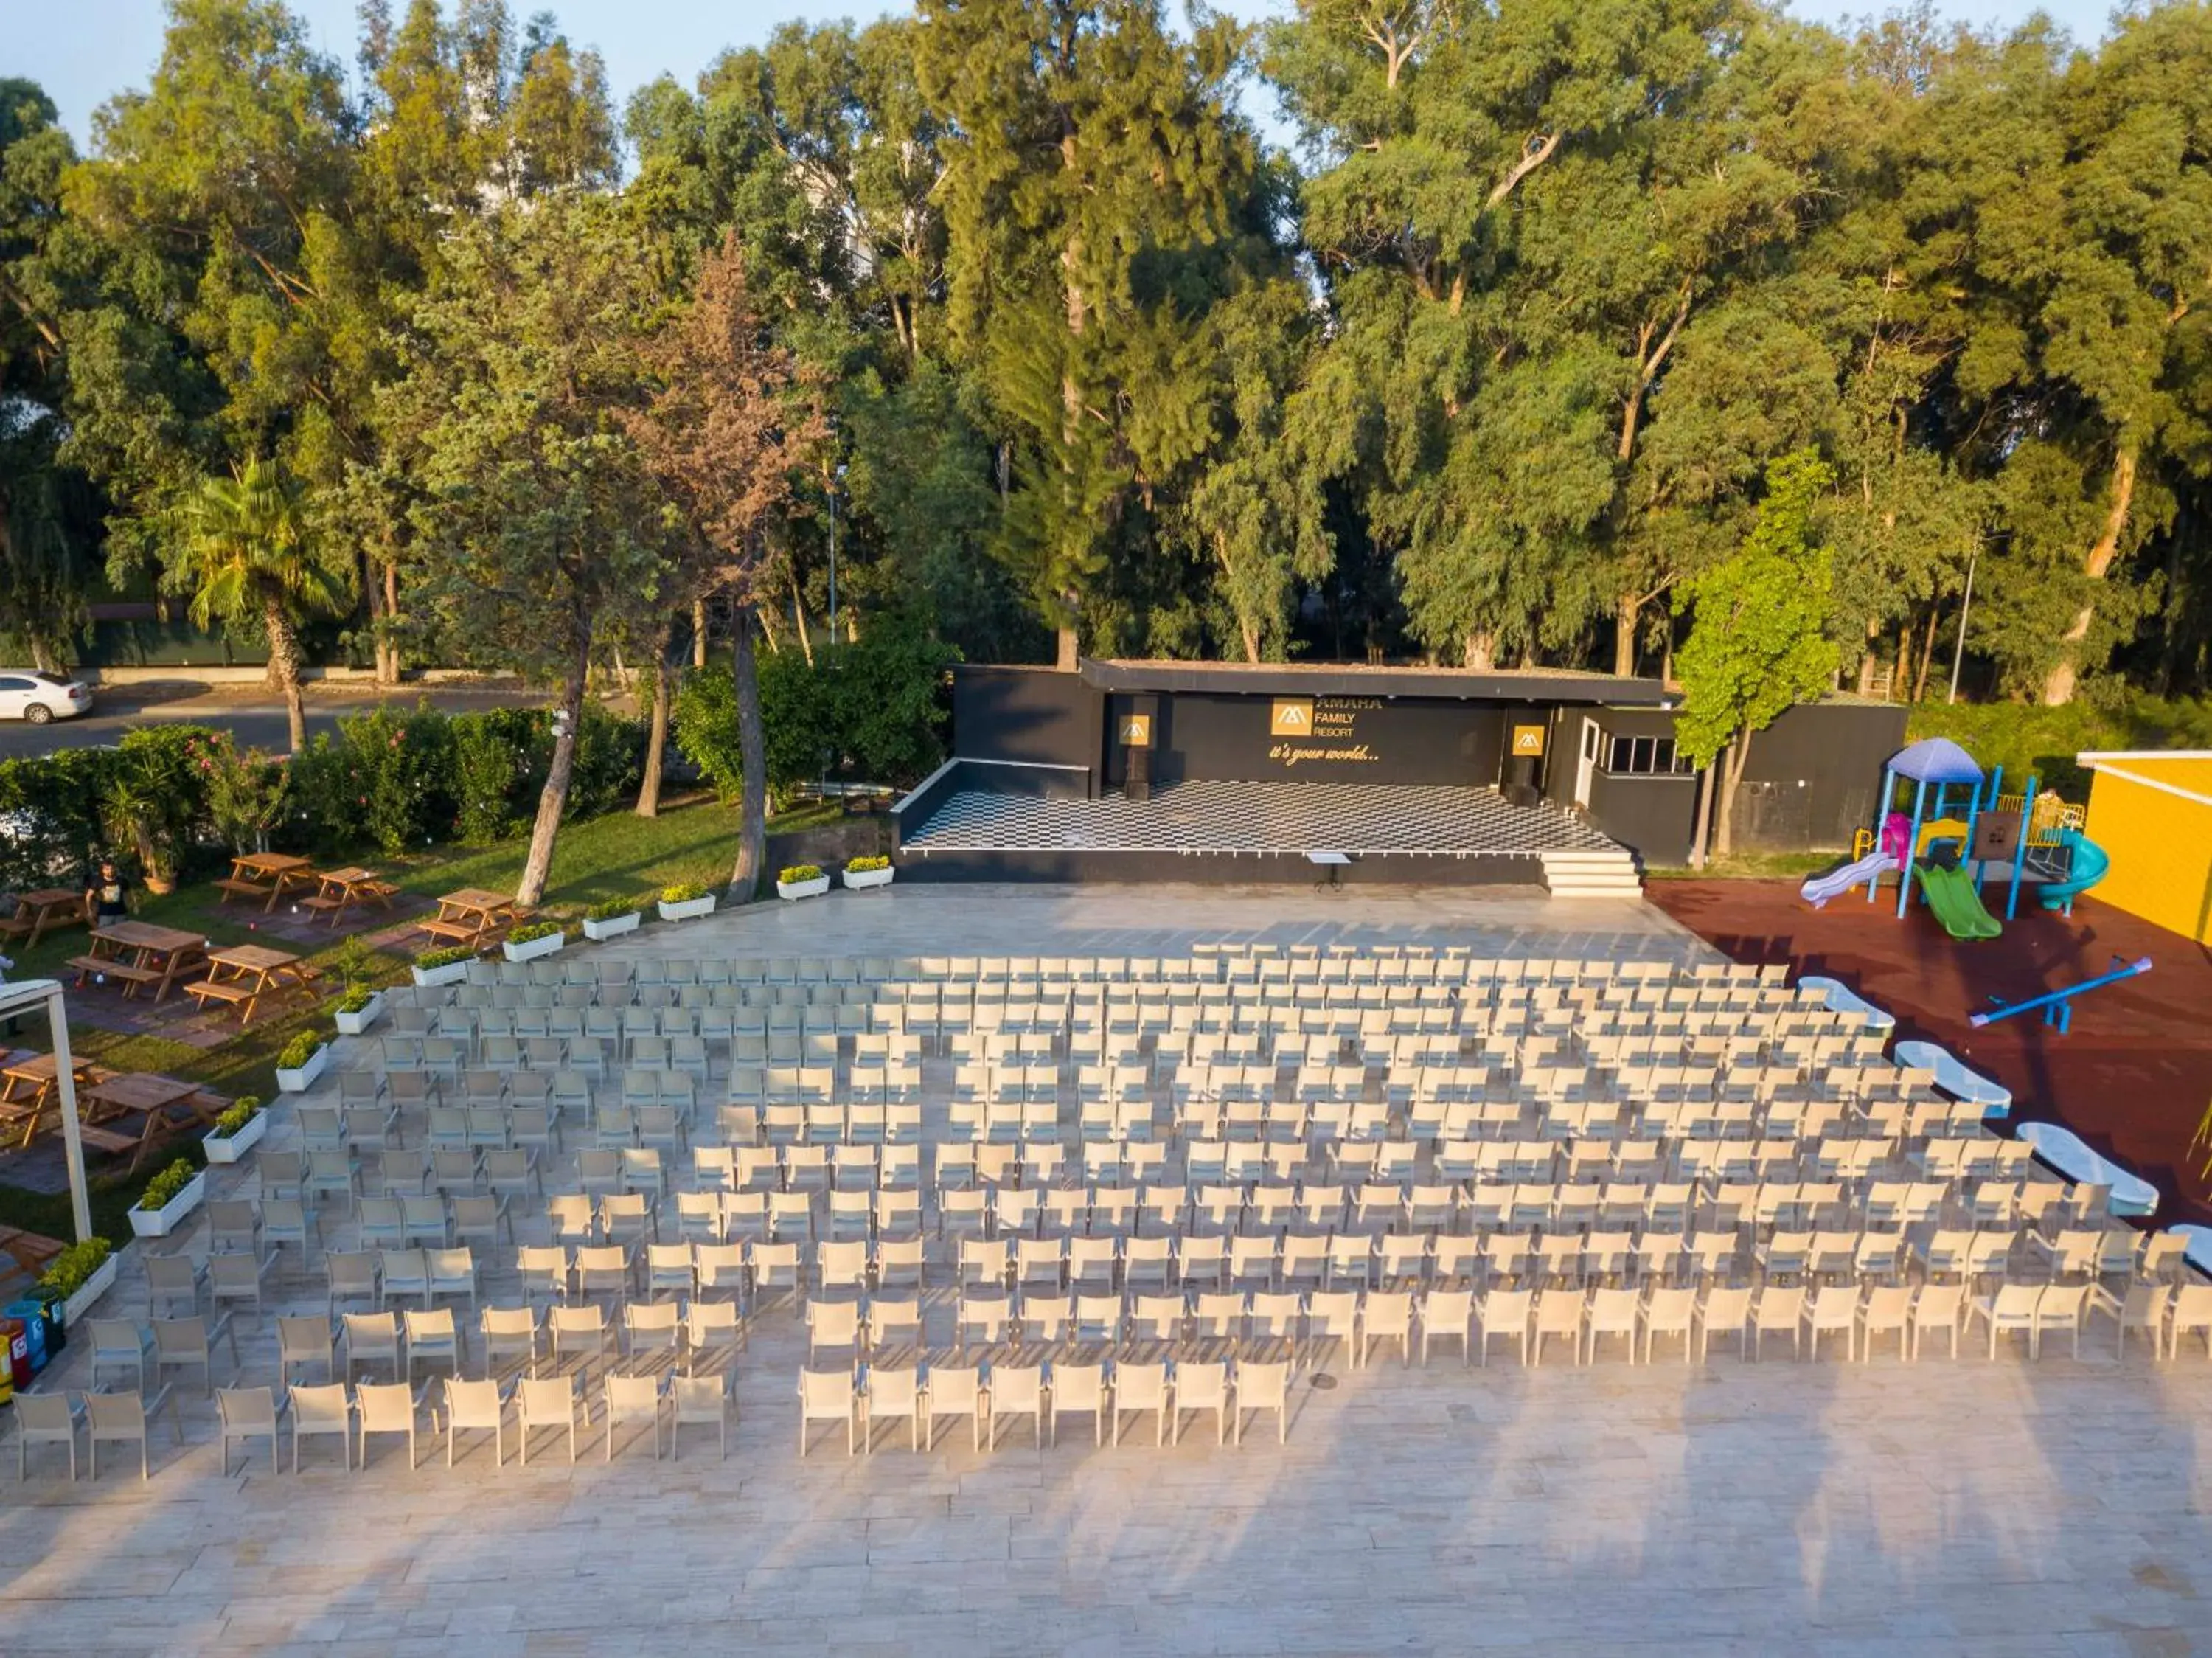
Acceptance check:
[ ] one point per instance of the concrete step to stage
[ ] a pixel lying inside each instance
(1608, 874)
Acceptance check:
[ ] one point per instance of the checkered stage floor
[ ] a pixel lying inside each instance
(1255, 817)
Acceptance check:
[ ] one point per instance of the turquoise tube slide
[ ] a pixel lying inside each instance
(2086, 864)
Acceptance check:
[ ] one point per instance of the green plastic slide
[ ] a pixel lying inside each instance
(1958, 907)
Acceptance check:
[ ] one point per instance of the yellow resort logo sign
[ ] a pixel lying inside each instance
(1137, 731)
(1528, 742)
(1320, 728)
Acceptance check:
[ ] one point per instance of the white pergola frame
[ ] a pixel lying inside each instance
(45, 996)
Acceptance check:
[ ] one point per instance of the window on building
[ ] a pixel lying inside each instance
(1646, 757)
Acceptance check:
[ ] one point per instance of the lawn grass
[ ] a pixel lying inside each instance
(620, 855)
(1746, 866)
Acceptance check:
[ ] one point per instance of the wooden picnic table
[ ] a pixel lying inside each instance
(35, 912)
(139, 954)
(265, 876)
(471, 916)
(34, 1251)
(242, 976)
(30, 1089)
(139, 1110)
(342, 888)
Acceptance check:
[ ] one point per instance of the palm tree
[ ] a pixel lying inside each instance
(245, 556)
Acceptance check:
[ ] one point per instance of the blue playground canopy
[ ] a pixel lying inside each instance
(1934, 759)
(1942, 764)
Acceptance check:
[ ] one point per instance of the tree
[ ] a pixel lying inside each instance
(1102, 199)
(537, 536)
(1758, 641)
(732, 420)
(49, 539)
(243, 555)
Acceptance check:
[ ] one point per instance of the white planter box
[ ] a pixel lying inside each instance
(300, 1081)
(613, 927)
(357, 1024)
(429, 977)
(795, 890)
(79, 1305)
(233, 1148)
(688, 909)
(160, 1222)
(860, 880)
(530, 949)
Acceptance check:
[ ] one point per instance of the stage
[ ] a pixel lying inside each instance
(1208, 830)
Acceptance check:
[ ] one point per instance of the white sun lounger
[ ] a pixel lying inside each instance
(2063, 1150)
(1839, 997)
(1955, 1078)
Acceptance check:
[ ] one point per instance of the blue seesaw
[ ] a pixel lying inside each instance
(2059, 1005)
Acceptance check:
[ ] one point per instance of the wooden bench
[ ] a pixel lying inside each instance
(208, 990)
(87, 965)
(231, 886)
(453, 932)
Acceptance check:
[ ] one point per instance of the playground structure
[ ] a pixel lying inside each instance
(2059, 1005)
(1961, 827)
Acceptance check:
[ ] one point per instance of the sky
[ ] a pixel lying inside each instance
(84, 52)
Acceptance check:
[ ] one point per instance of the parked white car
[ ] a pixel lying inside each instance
(29, 694)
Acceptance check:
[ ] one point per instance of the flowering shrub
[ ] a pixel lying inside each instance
(685, 891)
(245, 791)
(799, 872)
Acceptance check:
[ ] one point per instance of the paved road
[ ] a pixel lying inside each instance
(251, 724)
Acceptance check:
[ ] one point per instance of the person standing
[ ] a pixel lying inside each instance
(108, 897)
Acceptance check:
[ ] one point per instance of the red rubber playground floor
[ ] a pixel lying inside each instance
(2134, 1077)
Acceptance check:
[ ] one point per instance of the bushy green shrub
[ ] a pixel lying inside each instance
(534, 929)
(299, 1051)
(612, 908)
(870, 708)
(684, 892)
(71, 1270)
(447, 957)
(164, 1187)
(355, 999)
(799, 872)
(862, 866)
(241, 1111)
(2026, 738)
(489, 756)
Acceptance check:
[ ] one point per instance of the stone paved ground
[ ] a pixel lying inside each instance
(2012, 1510)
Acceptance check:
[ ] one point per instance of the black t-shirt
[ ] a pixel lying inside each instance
(110, 894)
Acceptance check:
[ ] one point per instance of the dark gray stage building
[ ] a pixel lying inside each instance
(1128, 771)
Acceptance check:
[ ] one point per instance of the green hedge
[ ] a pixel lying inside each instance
(393, 780)
(390, 779)
(51, 828)
(2025, 738)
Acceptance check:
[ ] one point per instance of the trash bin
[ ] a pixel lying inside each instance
(57, 1324)
(17, 1346)
(32, 1316)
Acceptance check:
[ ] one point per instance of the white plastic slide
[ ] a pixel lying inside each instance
(1819, 889)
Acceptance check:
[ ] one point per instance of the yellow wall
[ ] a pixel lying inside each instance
(2190, 771)
(2160, 846)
